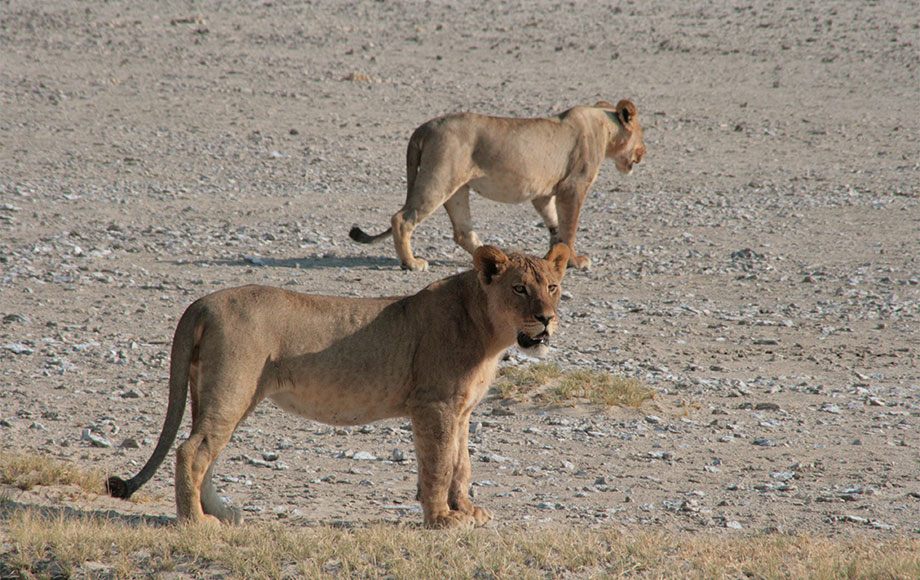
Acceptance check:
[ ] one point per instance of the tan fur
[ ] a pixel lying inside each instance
(549, 162)
(352, 361)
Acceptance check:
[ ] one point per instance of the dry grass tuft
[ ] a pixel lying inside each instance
(547, 384)
(49, 543)
(516, 383)
(26, 471)
(65, 546)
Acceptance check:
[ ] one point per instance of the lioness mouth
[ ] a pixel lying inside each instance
(525, 341)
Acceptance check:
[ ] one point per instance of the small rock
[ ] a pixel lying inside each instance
(494, 458)
(97, 570)
(254, 260)
(690, 505)
(548, 505)
(256, 461)
(95, 440)
(364, 456)
(18, 348)
(665, 455)
(880, 526)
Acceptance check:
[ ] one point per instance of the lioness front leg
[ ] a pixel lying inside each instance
(568, 206)
(458, 497)
(436, 447)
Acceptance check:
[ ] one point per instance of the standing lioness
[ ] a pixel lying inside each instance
(549, 162)
(351, 361)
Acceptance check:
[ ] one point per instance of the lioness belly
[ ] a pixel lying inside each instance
(509, 189)
(339, 406)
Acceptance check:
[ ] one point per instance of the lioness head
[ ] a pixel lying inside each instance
(626, 146)
(523, 292)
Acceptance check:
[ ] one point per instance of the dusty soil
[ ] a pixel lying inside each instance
(760, 270)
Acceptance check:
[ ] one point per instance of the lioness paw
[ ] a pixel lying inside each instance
(482, 516)
(204, 520)
(416, 265)
(580, 262)
(452, 519)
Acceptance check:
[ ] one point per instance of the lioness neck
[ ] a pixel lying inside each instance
(463, 301)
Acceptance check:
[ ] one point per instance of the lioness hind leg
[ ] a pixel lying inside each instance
(546, 207)
(458, 209)
(212, 504)
(429, 187)
(404, 222)
(196, 499)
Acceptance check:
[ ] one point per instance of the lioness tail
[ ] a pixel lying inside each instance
(188, 333)
(358, 235)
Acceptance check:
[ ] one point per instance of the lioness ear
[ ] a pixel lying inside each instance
(626, 111)
(489, 261)
(603, 105)
(558, 257)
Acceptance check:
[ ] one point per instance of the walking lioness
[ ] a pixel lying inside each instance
(351, 361)
(549, 162)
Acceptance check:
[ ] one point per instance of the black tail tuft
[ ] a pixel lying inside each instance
(117, 487)
(358, 235)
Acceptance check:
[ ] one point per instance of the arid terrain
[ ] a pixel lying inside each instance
(760, 269)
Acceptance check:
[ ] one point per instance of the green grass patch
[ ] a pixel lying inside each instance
(547, 384)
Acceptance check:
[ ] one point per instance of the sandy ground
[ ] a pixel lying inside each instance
(760, 270)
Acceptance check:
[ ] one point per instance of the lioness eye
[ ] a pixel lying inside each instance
(552, 288)
(519, 289)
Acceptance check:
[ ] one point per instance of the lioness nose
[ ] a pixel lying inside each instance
(544, 319)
